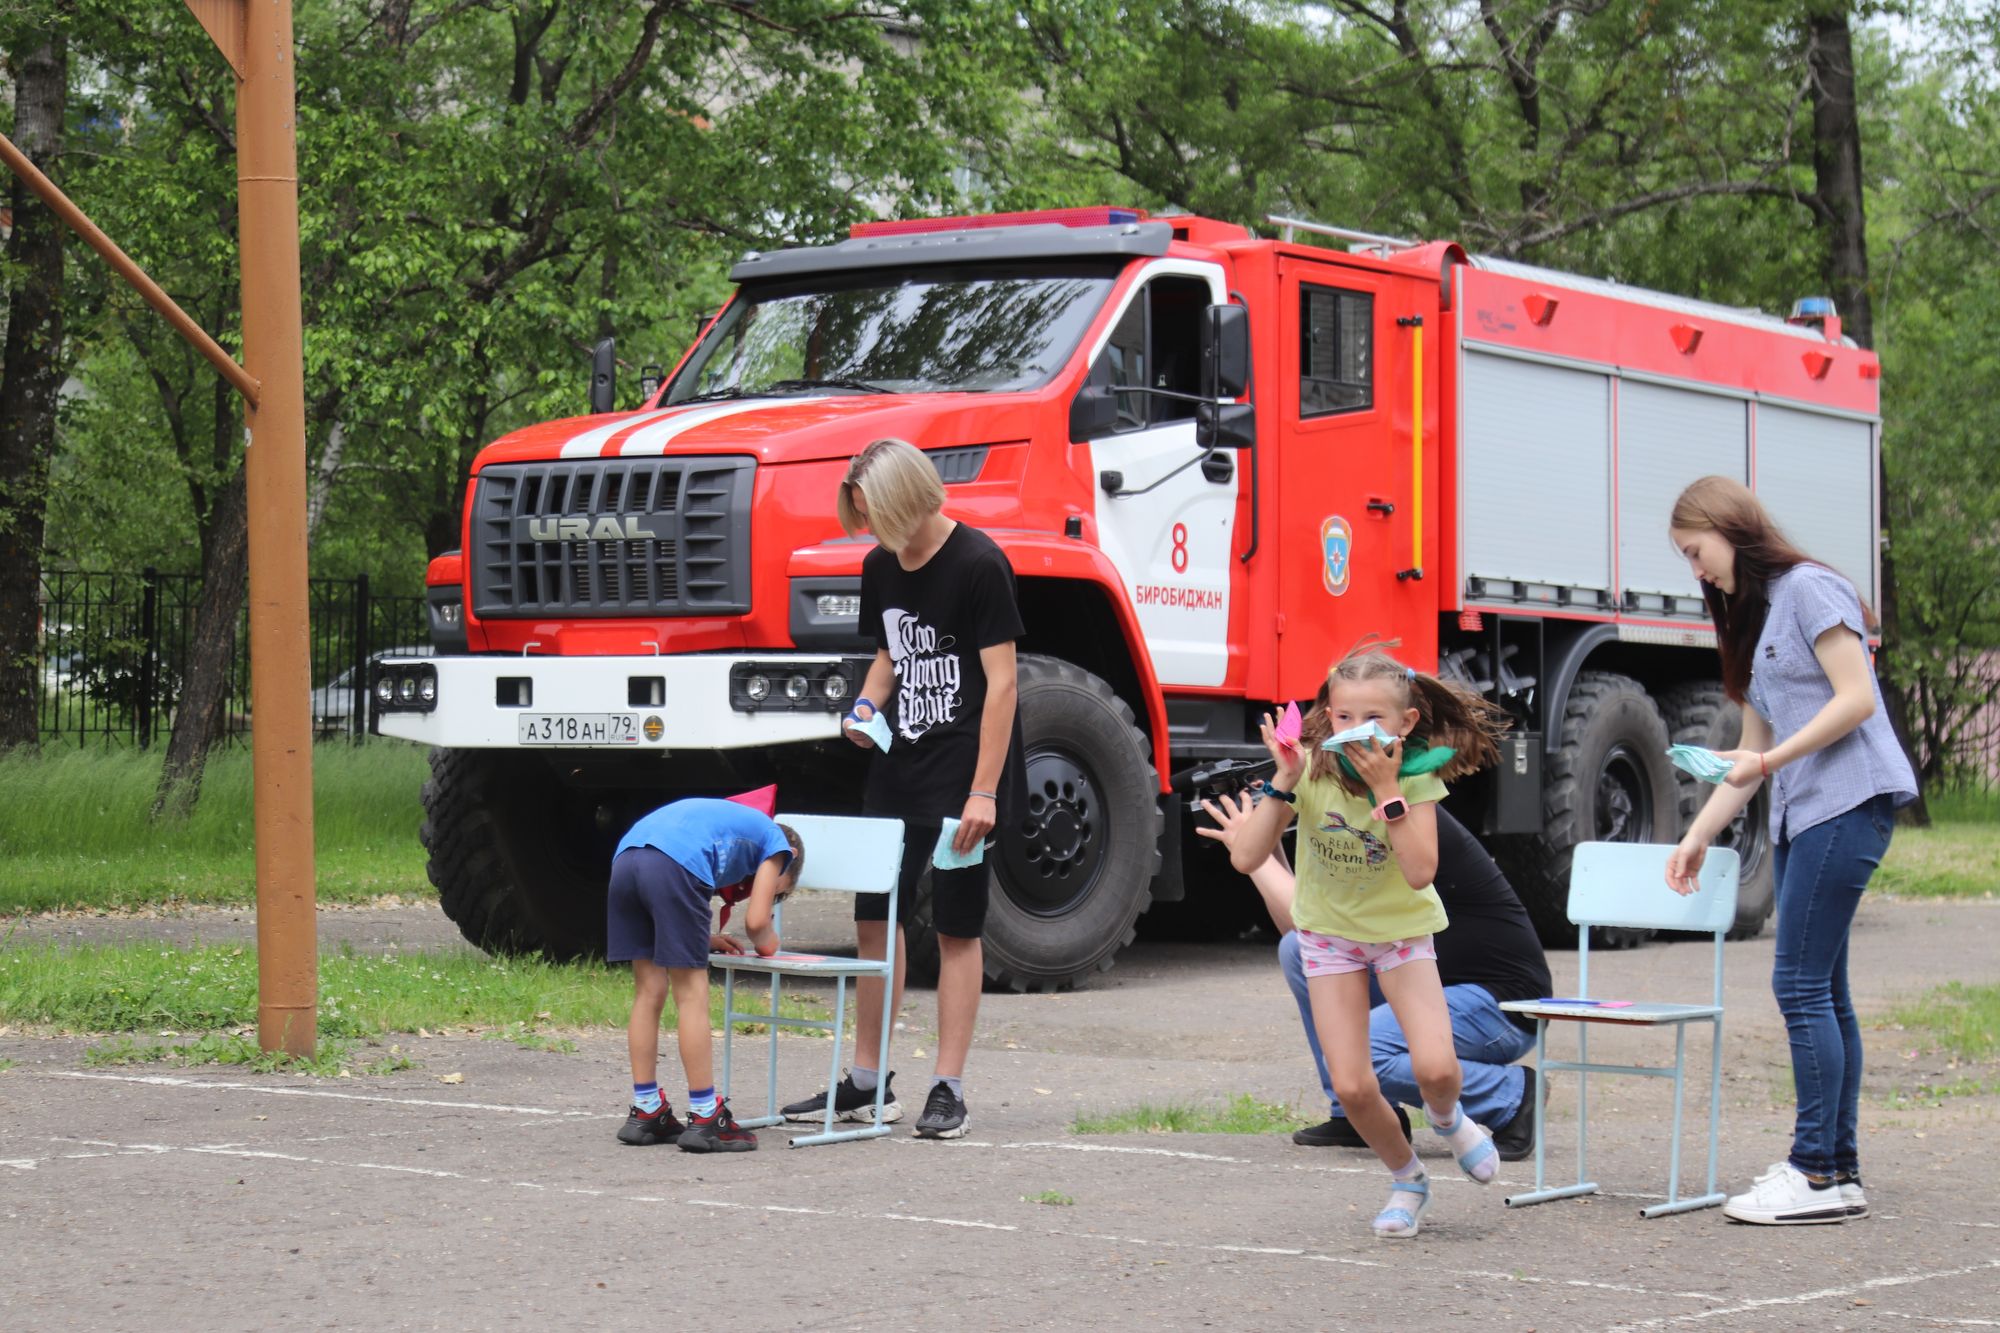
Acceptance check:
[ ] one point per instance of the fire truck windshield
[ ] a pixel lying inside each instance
(986, 330)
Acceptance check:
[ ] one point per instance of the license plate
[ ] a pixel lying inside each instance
(579, 728)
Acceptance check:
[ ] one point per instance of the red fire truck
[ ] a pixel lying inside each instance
(1216, 460)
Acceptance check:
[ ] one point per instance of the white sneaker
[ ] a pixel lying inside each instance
(1783, 1196)
(1856, 1201)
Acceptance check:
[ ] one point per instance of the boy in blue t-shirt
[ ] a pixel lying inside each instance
(656, 916)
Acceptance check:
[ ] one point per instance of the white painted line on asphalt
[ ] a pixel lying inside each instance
(1936, 1319)
(208, 1085)
(1823, 1294)
(156, 1149)
(1137, 1152)
(20, 1163)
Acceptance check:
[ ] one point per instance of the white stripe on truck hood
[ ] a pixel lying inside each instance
(655, 437)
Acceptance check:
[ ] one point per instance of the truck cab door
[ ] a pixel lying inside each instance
(1166, 512)
(1355, 529)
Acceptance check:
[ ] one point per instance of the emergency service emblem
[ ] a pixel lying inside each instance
(1336, 543)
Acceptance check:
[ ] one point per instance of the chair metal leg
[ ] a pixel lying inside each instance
(1582, 1102)
(1541, 1193)
(1714, 1098)
(771, 1079)
(1680, 1081)
(728, 1023)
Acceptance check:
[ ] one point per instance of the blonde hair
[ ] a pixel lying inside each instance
(902, 488)
(1447, 714)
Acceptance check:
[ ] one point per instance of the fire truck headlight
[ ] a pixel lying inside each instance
(427, 689)
(796, 688)
(834, 687)
(385, 690)
(758, 688)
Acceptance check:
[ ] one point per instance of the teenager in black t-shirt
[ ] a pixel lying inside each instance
(1488, 954)
(937, 596)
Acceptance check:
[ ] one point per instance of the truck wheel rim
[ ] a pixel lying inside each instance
(1748, 835)
(1057, 854)
(1624, 798)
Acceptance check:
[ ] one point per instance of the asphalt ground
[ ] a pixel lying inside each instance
(170, 1198)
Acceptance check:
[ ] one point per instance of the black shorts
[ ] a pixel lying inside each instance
(958, 897)
(655, 910)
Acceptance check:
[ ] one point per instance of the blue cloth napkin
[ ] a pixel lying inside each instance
(944, 858)
(1704, 764)
(875, 729)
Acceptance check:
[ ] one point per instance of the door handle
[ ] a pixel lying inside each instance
(1377, 505)
(1218, 467)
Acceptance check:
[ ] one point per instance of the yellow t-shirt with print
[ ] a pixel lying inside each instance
(1349, 884)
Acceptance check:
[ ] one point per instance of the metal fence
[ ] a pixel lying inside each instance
(113, 654)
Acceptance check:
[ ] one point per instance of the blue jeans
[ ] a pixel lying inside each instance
(1487, 1041)
(1820, 877)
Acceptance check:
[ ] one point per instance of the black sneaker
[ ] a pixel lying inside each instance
(849, 1103)
(1339, 1132)
(1515, 1140)
(644, 1131)
(717, 1133)
(944, 1114)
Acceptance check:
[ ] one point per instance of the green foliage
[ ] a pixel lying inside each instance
(1053, 1198)
(75, 832)
(1242, 1114)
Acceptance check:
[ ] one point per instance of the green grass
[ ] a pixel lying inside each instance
(1957, 857)
(1960, 1020)
(6, 1065)
(528, 1039)
(148, 989)
(1053, 1198)
(1242, 1114)
(75, 832)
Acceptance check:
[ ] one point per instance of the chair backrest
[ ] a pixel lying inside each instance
(848, 853)
(1625, 884)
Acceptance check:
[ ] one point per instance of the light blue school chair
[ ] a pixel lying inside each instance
(1625, 884)
(843, 854)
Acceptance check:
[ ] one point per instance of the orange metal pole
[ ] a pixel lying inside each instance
(267, 203)
(121, 263)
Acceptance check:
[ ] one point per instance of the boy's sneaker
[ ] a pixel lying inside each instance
(1851, 1195)
(944, 1114)
(1339, 1132)
(1783, 1197)
(850, 1103)
(717, 1133)
(644, 1131)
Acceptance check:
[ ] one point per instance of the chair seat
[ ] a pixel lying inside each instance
(1636, 1014)
(801, 964)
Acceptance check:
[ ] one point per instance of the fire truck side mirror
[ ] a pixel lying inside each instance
(1093, 412)
(1225, 351)
(1225, 425)
(603, 373)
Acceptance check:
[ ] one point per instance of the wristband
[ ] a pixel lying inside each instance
(1289, 798)
(1762, 766)
(987, 794)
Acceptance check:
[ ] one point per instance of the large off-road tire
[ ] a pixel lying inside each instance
(519, 859)
(1701, 714)
(1075, 868)
(1608, 781)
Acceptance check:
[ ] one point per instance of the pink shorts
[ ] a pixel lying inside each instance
(1332, 955)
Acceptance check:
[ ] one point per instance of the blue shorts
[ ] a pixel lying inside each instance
(655, 910)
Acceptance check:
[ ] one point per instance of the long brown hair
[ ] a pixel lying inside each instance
(1729, 509)
(1447, 714)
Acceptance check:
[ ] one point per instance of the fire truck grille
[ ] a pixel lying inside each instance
(603, 537)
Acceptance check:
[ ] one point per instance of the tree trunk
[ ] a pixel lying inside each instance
(30, 379)
(201, 717)
(1839, 185)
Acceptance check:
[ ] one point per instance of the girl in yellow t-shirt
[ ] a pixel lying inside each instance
(1367, 850)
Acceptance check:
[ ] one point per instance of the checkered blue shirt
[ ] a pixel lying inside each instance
(1789, 687)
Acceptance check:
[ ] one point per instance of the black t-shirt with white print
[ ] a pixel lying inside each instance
(933, 622)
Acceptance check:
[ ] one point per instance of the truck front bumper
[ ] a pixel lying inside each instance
(691, 702)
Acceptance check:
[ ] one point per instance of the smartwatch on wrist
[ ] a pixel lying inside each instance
(1392, 809)
(1265, 788)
